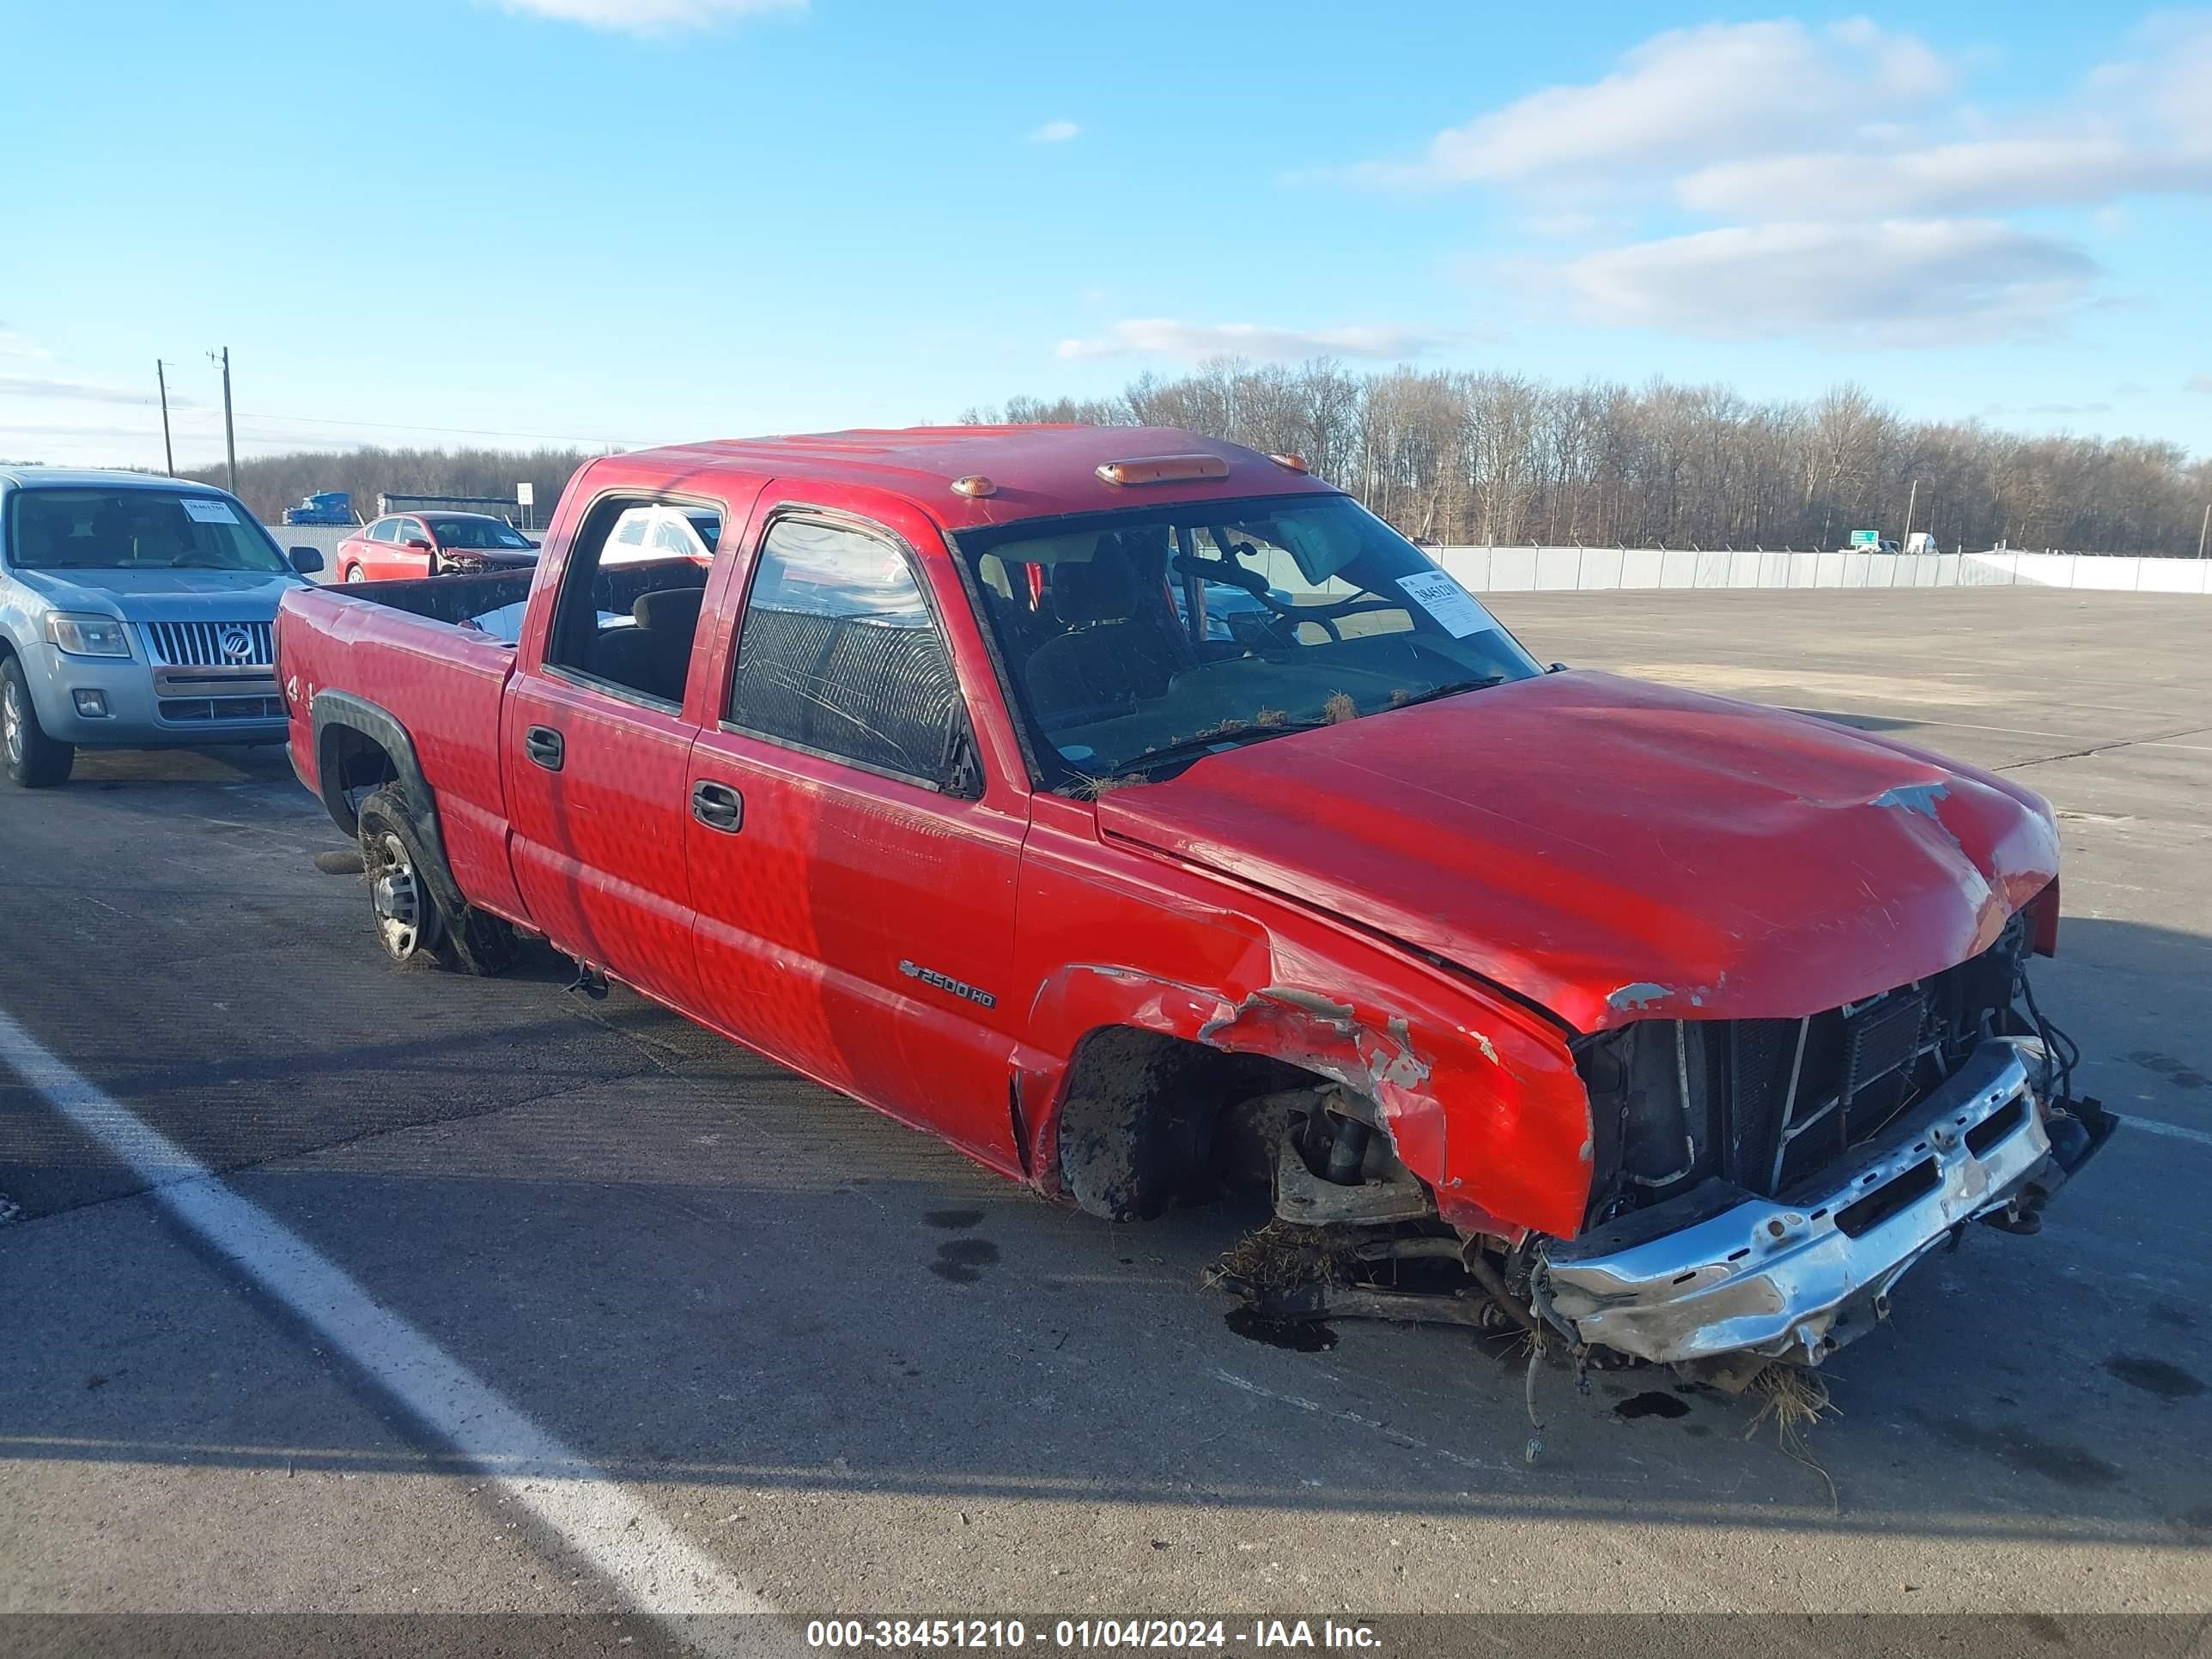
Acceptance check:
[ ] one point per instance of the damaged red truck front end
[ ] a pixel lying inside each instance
(1754, 1031)
(1143, 816)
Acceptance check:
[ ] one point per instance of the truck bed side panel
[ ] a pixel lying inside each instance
(443, 684)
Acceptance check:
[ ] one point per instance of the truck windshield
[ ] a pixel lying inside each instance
(1134, 640)
(135, 530)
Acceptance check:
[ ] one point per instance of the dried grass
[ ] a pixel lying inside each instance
(1793, 1400)
(1284, 1256)
(1090, 789)
(1271, 717)
(1340, 707)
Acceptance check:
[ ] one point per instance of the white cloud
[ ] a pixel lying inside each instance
(1162, 336)
(1899, 282)
(15, 345)
(86, 391)
(1685, 97)
(2199, 383)
(2138, 125)
(1975, 177)
(1055, 133)
(649, 16)
(1560, 227)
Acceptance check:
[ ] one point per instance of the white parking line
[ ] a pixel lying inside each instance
(646, 1561)
(2151, 1126)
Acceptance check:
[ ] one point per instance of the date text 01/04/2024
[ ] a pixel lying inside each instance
(1087, 1634)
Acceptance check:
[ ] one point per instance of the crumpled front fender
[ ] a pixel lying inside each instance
(1480, 1101)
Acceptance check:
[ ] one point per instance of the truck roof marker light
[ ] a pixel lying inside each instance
(1291, 462)
(1163, 469)
(973, 485)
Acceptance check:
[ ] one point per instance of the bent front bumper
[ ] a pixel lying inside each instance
(1719, 1271)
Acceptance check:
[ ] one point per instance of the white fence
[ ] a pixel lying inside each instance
(1593, 569)
(1590, 569)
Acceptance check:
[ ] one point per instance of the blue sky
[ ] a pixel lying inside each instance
(638, 220)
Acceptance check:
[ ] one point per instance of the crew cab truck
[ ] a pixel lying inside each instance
(1669, 1026)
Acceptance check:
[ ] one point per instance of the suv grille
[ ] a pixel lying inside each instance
(223, 709)
(210, 644)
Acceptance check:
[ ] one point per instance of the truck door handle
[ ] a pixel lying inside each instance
(718, 806)
(543, 745)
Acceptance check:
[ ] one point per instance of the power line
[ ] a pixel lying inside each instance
(196, 412)
(457, 431)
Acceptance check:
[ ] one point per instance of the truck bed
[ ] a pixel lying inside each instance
(461, 600)
(435, 656)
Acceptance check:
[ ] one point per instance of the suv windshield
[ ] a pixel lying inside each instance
(1136, 638)
(135, 530)
(477, 532)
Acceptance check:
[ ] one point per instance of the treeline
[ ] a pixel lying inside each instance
(270, 483)
(1502, 459)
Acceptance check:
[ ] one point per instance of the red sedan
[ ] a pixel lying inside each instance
(400, 545)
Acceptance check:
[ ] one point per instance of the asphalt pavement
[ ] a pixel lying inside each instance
(835, 1368)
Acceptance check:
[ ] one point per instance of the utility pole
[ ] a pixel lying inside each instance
(2202, 528)
(230, 436)
(168, 454)
(1910, 501)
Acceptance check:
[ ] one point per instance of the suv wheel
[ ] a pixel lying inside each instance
(34, 760)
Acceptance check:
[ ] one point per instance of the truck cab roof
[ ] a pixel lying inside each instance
(1034, 471)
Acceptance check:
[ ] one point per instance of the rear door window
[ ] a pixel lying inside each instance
(627, 613)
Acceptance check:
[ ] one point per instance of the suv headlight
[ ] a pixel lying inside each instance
(87, 636)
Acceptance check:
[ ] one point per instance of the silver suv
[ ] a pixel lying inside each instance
(135, 611)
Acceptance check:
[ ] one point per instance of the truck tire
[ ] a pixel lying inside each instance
(34, 760)
(412, 924)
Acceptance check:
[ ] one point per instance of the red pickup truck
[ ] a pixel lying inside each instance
(1137, 811)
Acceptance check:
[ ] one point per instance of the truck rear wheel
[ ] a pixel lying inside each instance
(34, 760)
(412, 923)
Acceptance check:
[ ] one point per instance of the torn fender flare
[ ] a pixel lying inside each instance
(1718, 1271)
(1476, 1099)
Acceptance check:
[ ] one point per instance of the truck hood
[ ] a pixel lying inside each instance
(163, 595)
(1612, 850)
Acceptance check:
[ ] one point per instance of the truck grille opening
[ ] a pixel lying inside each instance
(1865, 1215)
(1768, 1104)
(1996, 1127)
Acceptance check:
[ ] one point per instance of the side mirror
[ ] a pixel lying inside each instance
(416, 545)
(306, 560)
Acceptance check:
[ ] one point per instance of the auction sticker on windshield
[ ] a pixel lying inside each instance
(1447, 601)
(201, 510)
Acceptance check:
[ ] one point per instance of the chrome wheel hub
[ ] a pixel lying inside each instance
(404, 919)
(11, 724)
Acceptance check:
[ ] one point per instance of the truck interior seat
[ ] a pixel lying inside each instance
(653, 655)
(1116, 648)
